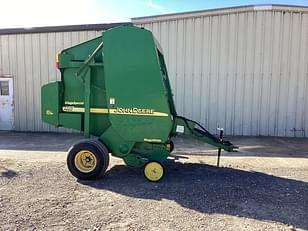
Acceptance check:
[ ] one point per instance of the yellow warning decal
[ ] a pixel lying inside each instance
(81, 109)
(136, 111)
(117, 111)
(152, 140)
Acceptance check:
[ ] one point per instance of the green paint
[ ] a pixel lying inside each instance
(71, 120)
(87, 90)
(51, 102)
(117, 87)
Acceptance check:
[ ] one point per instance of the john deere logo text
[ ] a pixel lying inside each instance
(147, 111)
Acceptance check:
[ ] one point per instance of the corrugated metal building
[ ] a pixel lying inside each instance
(29, 56)
(244, 68)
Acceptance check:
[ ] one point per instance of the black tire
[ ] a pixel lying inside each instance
(103, 149)
(100, 153)
(171, 146)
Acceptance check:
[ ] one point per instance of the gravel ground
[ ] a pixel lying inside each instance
(262, 187)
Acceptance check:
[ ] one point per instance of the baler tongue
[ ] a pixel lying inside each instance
(196, 130)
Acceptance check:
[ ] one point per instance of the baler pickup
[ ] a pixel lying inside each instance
(116, 88)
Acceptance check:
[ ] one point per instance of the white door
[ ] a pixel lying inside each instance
(6, 104)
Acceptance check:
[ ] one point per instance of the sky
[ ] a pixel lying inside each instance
(35, 13)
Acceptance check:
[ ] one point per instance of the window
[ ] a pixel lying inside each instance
(4, 87)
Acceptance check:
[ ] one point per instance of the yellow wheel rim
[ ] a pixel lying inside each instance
(168, 146)
(153, 171)
(85, 161)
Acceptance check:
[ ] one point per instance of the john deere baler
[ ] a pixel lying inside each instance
(116, 88)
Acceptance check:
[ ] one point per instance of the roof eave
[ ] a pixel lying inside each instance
(221, 11)
(67, 28)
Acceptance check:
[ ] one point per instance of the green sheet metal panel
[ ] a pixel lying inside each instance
(51, 100)
(135, 91)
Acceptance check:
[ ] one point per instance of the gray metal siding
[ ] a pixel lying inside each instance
(242, 69)
(246, 72)
(30, 58)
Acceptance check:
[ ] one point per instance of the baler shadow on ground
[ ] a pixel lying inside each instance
(208, 189)
(198, 187)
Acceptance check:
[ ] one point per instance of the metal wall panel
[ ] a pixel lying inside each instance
(246, 71)
(30, 58)
(243, 69)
